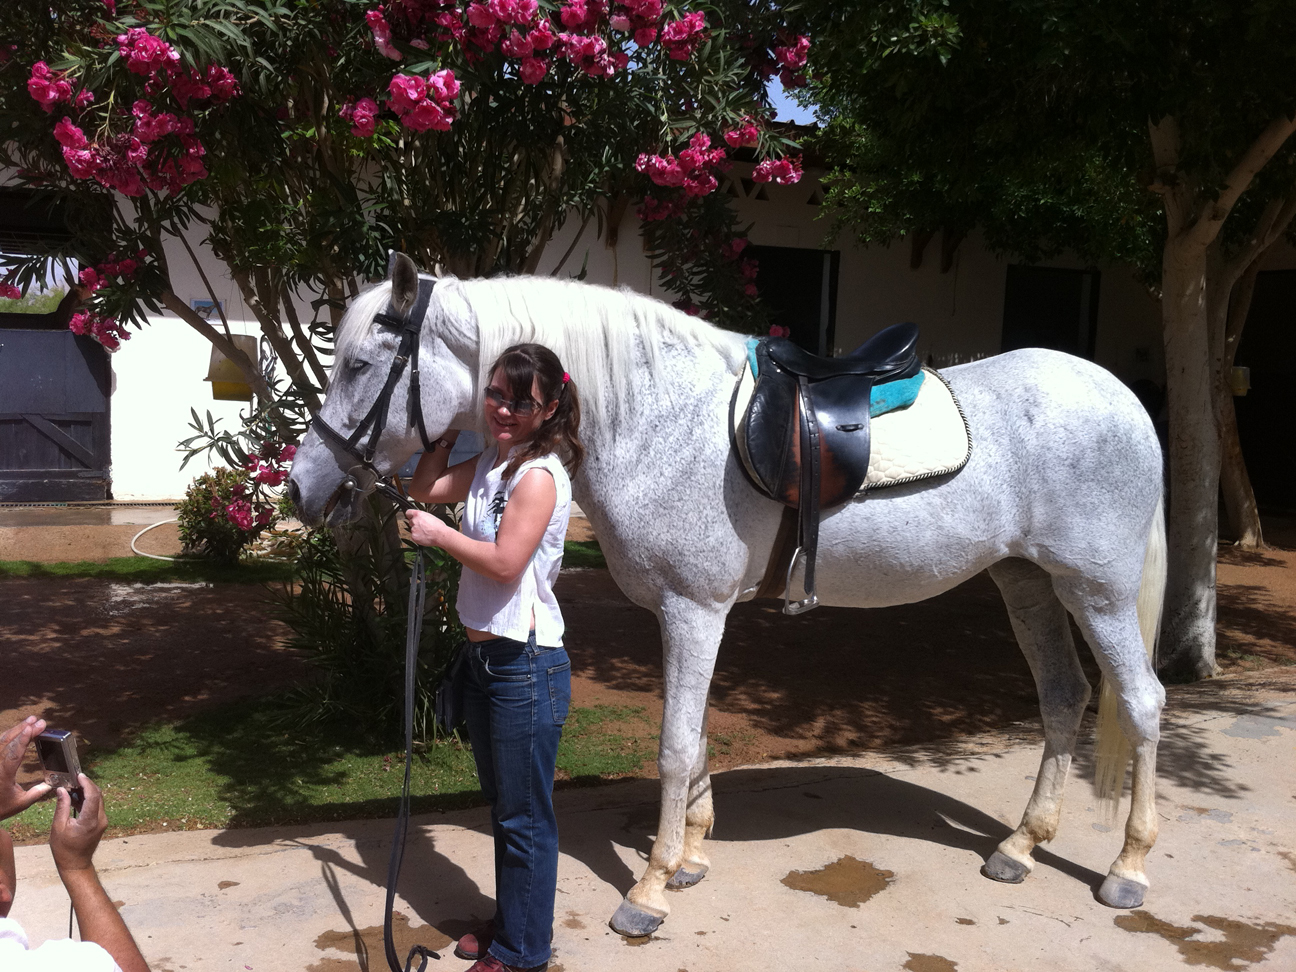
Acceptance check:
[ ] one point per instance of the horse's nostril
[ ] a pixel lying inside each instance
(294, 493)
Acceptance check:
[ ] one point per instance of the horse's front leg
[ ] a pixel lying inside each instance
(691, 639)
(698, 820)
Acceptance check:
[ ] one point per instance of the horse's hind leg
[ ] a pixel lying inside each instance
(691, 635)
(1044, 634)
(698, 820)
(1111, 626)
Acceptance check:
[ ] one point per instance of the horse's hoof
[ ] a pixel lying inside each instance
(1119, 892)
(684, 878)
(1001, 867)
(633, 921)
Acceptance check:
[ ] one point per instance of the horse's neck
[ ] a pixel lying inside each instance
(689, 395)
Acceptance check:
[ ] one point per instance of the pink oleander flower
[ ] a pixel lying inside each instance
(443, 86)
(240, 514)
(150, 127)
(503, 10)
(112, 7)
(106, 330)
(288, 453)
(405, 91)
(542, 37)
(794, 55)
(425, 115)
(734, 247)
(652, 209)
(9, 292)
(83, 163)
(144, 53)
(68, 135)
(785, 171)
(643, 10)
(90, 279)
(778, 330)
(47, 87)
(516, 45)
(264, 516)
(271, 476)
(749, 269)
(533, 69)
(381, 31)
(363, 116)
(480, 15)
(222, 83)
(619, 22)
(745, 135)
(645, 36)
(682, 37)
(664, 170)
(85, 98)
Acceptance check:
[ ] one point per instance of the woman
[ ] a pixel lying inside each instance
(518, 499)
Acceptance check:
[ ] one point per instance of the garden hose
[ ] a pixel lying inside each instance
(146, 530)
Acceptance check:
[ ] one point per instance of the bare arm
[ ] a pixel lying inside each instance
(73, 841)
(521, 529)
(434, 483)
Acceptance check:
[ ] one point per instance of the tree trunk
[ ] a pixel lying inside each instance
(1235, 485)
(1188, 628)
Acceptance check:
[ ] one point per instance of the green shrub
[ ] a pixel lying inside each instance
(347, 614)
(222, 513)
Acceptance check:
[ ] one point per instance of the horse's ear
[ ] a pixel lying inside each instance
(404, 282)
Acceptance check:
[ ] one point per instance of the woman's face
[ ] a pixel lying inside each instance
(512, 422)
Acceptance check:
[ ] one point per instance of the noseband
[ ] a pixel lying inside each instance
(409, 327)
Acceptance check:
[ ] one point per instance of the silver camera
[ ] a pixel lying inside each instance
(58, 755)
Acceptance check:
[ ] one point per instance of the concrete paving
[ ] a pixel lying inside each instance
(860, 863)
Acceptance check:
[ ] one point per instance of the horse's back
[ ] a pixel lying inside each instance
(1065, 471)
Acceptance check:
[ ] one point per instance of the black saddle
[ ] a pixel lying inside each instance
(806, 430)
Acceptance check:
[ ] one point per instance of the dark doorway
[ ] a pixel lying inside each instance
(54, 388)
(799, 287)
(1049, 308)
(1267, 412)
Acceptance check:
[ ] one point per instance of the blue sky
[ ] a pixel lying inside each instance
(785, 109)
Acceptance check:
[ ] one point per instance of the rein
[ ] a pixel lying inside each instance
(410, 327)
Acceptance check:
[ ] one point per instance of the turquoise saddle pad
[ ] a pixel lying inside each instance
(884, 398)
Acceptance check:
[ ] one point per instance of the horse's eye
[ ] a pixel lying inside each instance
(357, 364)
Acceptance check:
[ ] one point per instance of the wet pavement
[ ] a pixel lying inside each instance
(75, 515)
(866, 862)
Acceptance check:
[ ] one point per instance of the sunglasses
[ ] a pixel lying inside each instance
(520, 407)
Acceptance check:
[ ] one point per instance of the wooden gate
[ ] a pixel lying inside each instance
(54, 431)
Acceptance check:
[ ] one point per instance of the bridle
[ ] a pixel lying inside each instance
(410, 327)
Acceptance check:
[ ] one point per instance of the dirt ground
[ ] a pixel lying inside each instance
(103, 657)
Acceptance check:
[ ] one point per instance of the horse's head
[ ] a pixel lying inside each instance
(330, 477)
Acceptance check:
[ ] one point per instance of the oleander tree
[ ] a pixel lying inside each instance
(300, 141)
(1141, 132)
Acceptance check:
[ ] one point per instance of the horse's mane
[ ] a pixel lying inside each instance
(597, 332)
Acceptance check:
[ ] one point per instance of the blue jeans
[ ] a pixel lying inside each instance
(516, 698)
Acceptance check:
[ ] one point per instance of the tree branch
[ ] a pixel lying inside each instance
(302, 341)
(1260, 151)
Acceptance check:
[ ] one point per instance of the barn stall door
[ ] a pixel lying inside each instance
(54, 430)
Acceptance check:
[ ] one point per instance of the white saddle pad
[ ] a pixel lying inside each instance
(921, 441)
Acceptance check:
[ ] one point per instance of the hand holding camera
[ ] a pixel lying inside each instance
(13, 747)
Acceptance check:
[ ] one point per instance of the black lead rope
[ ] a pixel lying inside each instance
(413, 630)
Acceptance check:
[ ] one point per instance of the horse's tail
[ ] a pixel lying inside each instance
(1111, 748)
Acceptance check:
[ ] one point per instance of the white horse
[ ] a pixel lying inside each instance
(1060, 501)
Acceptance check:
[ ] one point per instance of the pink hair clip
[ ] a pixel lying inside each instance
(566, 377)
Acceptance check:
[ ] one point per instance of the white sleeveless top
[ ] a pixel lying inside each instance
(505, 610)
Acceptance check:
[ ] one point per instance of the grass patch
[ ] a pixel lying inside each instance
(146, 570)
(583, 553)
(236, 766)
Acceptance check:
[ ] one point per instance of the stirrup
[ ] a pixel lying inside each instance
(796, 607)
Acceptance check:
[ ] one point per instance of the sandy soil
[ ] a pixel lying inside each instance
(103, 657)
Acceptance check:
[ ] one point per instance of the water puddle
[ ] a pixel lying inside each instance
(365, 945)
(846, 881)
(929, 963)
(1243, 943)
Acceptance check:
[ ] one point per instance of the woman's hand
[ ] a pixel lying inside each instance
(426, 530)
